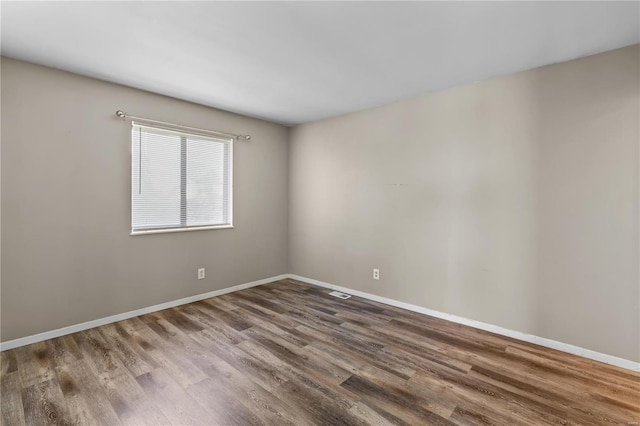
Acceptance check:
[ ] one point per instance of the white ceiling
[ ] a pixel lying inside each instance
(293, 62)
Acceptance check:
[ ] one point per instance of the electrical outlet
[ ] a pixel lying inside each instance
(376, 274)
(200, 273)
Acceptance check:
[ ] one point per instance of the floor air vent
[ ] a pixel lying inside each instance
(340, 295)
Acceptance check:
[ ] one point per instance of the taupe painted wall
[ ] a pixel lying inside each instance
(67, 256)
(512, 201)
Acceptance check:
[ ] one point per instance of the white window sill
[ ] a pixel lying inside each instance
(183, 229)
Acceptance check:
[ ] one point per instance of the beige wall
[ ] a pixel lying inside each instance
(512, 201)
(67, 256)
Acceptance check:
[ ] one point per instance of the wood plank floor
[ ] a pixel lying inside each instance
(288, 354)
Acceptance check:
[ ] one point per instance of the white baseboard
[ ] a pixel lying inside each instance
(553, 344)
(10, 344)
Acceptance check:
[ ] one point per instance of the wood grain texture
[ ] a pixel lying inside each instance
(287, 353)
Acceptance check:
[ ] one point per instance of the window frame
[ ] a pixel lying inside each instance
(171, 228)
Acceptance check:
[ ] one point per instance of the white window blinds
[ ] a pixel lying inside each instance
(179, 181)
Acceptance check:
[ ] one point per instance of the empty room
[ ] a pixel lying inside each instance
(320, 213)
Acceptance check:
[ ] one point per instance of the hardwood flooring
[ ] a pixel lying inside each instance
(287, 353)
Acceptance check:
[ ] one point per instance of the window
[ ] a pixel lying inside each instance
(179, 181)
